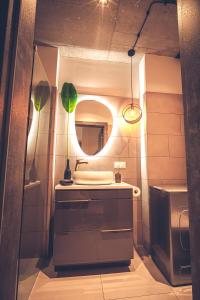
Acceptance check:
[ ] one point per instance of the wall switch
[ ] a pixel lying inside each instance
(119, 165)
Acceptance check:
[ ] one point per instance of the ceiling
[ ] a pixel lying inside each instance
(82, 25)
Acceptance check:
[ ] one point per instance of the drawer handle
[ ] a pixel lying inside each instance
(74, 201)
(116, 230)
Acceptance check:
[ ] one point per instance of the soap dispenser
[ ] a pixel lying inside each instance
(118, 177)
(119, 165)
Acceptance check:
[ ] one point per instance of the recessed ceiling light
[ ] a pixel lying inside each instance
(103, 2)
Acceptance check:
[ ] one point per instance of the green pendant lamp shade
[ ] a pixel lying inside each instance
(69, 97)
(69, 100)
(41, 94)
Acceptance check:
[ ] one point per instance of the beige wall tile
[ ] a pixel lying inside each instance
(157, 145)
(60, 108)
(166, 168)
(61, 127)
(158, 182)
(61, 145)
(174, 181)
(60, 163)
(132, 181)
(158, 123)
(153, 182)
(125, 129)
(164, 103)
(133, 147)
(119, 147)
(163, 74)
(131, 168)
(177, 146)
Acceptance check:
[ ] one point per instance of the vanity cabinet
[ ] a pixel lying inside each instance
(93, 225)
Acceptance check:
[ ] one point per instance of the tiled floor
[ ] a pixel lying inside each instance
(140, 281)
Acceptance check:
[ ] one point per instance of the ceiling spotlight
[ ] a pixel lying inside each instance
(103, 2)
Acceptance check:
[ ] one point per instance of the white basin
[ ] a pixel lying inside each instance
(93, 177)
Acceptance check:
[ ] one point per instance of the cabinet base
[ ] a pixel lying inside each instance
(124, 263)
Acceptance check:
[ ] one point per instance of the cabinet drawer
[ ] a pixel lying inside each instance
(75, 248)
(63, 195)
(115, 245)
(117, 213)
(78, 215)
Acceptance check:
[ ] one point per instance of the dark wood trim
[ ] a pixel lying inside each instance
(189, 32)
(15, 89)
(8, 34)
(50, 209)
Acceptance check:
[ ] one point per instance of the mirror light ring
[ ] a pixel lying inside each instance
(114, 114)
(127, 110)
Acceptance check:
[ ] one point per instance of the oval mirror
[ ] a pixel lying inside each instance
(93, 121)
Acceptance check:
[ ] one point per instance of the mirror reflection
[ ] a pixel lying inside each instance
(35, 197)
(93, 121)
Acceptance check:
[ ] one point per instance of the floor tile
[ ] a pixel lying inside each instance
(184, 292)
(132, 284)
(170, 296)
(71, 288)
(142, 280)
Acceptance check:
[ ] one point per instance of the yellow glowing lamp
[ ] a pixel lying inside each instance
(132, 113)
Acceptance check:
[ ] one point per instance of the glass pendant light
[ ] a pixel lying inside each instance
(132, 113)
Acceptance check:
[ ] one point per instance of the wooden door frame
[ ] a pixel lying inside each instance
(17, 56)
(189, 32)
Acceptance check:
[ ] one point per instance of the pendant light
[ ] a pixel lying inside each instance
(132, 113)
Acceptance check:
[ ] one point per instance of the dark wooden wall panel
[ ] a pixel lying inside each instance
(17, 89)
(189, 31)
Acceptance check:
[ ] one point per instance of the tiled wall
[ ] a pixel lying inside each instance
(162, 134)
(165, 149)
(124, 147)
(165, 139)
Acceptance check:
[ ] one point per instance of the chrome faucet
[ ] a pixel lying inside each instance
(79, 162)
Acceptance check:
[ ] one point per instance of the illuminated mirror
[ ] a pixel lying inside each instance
(93, 121)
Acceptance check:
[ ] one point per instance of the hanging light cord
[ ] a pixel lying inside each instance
(132, 82)
(132, 50)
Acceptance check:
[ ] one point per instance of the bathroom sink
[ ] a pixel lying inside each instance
(93, 177)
